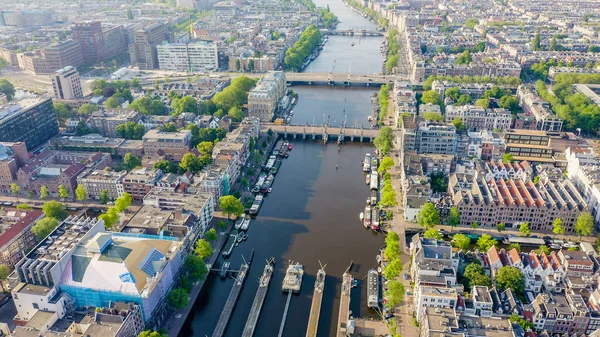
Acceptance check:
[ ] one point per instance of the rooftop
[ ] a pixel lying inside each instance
(17, 106)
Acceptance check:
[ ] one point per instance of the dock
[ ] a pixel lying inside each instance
(285, 312)
(231, 301)
(259, 299)
(344, 313)
(315, 308)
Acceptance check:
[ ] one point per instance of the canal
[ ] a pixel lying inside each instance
(311, 214)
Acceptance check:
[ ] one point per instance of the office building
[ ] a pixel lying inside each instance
(99, 43)
(142, 52)
(427, 137)
(540, 146)
(263, 99)
(66, 83)
(139, 182)
(106, 121)
(80, 265)
(27, 18)
(29, 120)
(537, 109)
(194, 56)
(194, 4)
(173, 145)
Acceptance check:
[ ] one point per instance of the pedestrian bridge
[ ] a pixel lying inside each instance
(332, 79)
(319, 132)
(351, 32)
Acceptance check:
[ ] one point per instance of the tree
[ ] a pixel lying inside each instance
(525, 324)
(15, 189)
(461, 241)
(205, 148)
(514, 246)
(543, 249)
(131, 130)
(386, 164)
(485, 242)
(221, 224)
(231, 205)
(44, 227)
(394, 294)
(475, 274)
(195, 267)
(4, 272)
(453, 218)
(81, 193)
(510, 277)
(557, 227)
(63, 193)
(384, 140)
(177, 298)
(203, 249)
(251, 65)
(524, 229)
(458, 124)
(123, 202)
(184, 104)
(54, 209)
(433, 116)
(104, 197)
(464, 99)
(392, 251)
(535, 44)
(431, 97)
(191, 163)
(475, 225)
(86, 109)
(211, 235)
(131, 161)
(483, 102)
(110, 217)
(166, 166)
(509, 103)
(236, 114)
(508, 158)
(44, 193)
(150, 333)
(238, 65)
(432, 234)
(464, 58)
(129, 13)
(585, 224)
(428, 216)
(24, 206)
(452, 92)
(63, 112)
(7, 88)
(471, 23)
(113, 102)
(501, 227)
(393, 269)
(598, 242)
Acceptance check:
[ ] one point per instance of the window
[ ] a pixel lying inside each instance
(35, 306)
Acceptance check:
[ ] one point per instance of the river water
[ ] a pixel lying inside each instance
(311, 214)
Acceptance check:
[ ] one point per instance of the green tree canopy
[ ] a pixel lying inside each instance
(393, 269)
(461, 241)
(44, 227)
(557, 227)
(86, 109)
(166, 166)
(178, 298)
(431, 97)
(485, 242)
(386, 164)
(203, 249)
(123, 202)
(110, 217)
(231, 205)
(394, 294)
(131, 161)
(211, 235)
(44, 193)
(428, 216)
(7, 88)
(510, 277)
(524, 229)
(195, 267)
(384, 140)
(54, 209)
(81, 193)
(585, 224)
(433, 234)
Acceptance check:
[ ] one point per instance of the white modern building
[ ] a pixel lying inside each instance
(66, 83)
(262, 100)
(195, 56)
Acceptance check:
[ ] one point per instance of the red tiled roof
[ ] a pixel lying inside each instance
(493, 255)
(513, 255)
(18, 227)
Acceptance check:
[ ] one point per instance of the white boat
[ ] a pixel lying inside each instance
(361, 216)
(245, 224)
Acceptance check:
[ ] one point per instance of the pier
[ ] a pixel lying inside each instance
(285, 312)
(315, 308)
(231, 301)
(344, 313)
(259, 299)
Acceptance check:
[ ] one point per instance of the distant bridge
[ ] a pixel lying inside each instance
(324, 133)
(332, 79)
(352, 32)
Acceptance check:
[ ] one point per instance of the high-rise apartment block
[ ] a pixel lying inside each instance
(142, 52)
(66, 83)
(99, 43)
(29, 120)
(190, 56)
